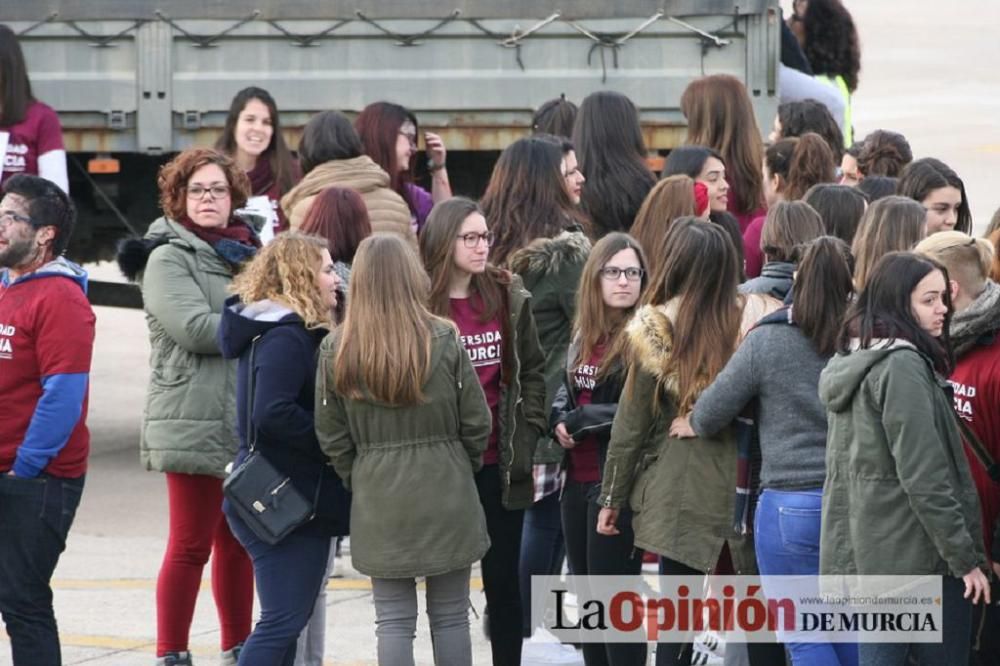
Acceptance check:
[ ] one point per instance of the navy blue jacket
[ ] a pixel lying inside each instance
(284, 363)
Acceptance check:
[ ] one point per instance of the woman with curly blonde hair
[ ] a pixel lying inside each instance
(282, 309)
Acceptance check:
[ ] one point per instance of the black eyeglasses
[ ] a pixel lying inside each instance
(10, 217)
(198, 192)
(632, 273)
(472, 240)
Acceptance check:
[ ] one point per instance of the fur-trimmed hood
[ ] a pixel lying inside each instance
(651, 338)
(651, 334)
(551, 255)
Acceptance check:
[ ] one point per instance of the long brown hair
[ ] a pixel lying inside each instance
(671, 198)
(822, 291)
(800, 162)
(388, 311)
(720, 116)
(701, 271)
(15, 86)
(595, 322)
(891, 224)
(437, 249)
(339, 215)
(526, 197)
(277, 153)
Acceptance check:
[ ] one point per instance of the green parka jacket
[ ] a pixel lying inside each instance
(681, 490)
(189, 424)
(523, 412)
(550, 269)
(415, 509)
(898, 496)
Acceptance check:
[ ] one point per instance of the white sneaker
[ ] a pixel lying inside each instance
(544, 648)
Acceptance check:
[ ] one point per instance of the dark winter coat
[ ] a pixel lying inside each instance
(284, 370)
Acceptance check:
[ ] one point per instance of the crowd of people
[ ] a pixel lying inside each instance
(776, 358)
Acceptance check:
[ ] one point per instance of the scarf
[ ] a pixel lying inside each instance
(261, 178)
(982, 317)
(234, 243)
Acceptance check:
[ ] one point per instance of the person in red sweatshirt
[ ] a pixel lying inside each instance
(46, 342)
(975, 341)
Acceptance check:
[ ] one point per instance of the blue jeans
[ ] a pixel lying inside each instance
(786, 536)
(35, 517)
(542, 549)
(288, 575)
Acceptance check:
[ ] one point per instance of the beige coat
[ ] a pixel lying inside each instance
(386, 209)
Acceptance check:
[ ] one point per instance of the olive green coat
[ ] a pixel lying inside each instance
(523, 411)
(682, 491)
(189, 424)
(415, 508)
(899, 497)
(551, 268)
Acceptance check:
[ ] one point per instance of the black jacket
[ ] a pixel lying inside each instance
(593, 419)
(284, 366)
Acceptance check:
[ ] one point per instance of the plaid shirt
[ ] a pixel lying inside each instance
(548, 479)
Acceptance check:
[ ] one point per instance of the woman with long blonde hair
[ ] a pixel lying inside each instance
(282, 309)
(492, 311)
(406, 432)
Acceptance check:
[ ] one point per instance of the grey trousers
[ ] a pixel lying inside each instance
(447, 609)
(311, 645)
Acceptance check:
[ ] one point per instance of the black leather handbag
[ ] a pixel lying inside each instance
(263, 496)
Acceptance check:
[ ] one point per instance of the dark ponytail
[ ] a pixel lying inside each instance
(822, 291)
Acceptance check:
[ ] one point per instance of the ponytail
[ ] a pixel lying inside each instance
(800, 163)
(822, 291)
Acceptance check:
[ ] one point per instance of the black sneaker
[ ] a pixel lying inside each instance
(175, 659)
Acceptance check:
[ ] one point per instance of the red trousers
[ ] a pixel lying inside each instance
(199, 529)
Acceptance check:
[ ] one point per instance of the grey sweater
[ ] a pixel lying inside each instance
(777, 365)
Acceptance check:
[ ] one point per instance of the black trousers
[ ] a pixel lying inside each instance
(595, 554)
(500, 569)
(680, 654)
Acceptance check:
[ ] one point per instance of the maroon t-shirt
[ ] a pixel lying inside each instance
(584, 464)
(484, 343)
(36, 135)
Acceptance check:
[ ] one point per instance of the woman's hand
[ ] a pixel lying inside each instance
(436, 151)
(564, 438)
(681, 427)
(606, 520)
(976, 585)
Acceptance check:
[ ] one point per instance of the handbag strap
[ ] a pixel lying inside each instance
(249, 429)
(979, 449)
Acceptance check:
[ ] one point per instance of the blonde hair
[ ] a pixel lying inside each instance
(385, 340)
(969, 260)
(285, 271)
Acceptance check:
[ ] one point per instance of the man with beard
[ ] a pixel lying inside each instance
(46, 342)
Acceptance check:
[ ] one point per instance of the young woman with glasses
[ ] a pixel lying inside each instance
(584, 408)
(492, 311)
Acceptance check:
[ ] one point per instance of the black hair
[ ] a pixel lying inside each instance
(555, 117)
(328, 136)
(808, 115)
(831, 41)
(277, 153)
(15, 87)
(923, 176)
(612, 156)
(48, 206)
(840, 206)
(877, 187)
(688, 160)
(884, 309)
